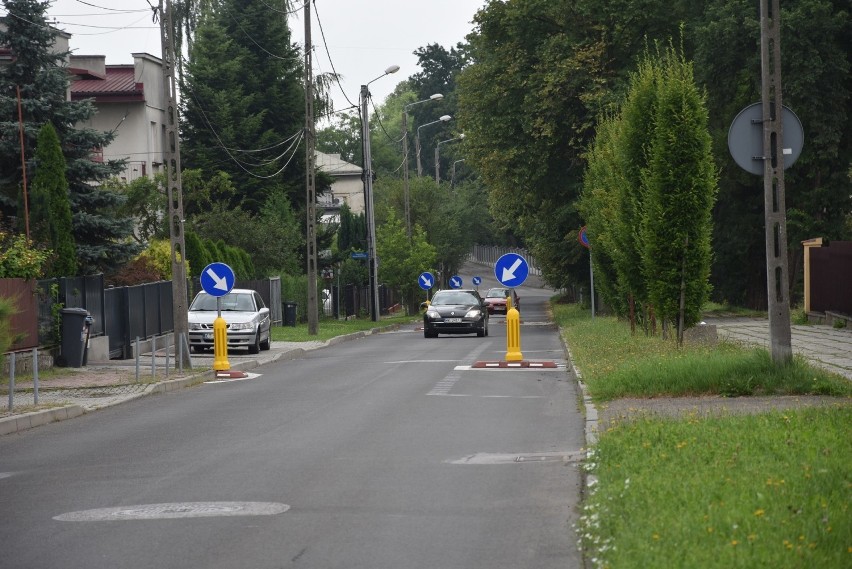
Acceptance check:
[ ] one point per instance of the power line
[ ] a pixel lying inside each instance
(328, 53)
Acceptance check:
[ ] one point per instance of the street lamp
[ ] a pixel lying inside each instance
(444, 118)
(368, 194)
(453, 176)
(438, 156)
(435, 97)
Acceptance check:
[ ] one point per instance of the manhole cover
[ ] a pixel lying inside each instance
(176, 510)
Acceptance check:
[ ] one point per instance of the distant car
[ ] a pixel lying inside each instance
(246, 317)
(455, 312)
(495, 300)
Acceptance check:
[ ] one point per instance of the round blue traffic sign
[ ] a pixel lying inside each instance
(511, 270)
(455, 281)
(426, 280)
(217, 279)
(477, 281)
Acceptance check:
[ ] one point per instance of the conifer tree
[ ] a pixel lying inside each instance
(244, 106)
(50, 210)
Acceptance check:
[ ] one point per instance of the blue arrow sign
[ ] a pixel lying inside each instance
(477, 281)
(426, 281)
(455, 281)
(217, 279)
(511, 270)
(359, 255)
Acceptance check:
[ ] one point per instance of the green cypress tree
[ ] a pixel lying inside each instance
(196, 253)
(51, 211)
(679, 187)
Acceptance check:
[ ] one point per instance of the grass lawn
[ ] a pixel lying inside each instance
(767, 490)
(617, 364)
(328, 328)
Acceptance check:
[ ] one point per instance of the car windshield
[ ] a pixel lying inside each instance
(497, 293)
(232, 301)
(454, 298)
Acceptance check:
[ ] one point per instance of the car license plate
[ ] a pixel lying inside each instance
(453, 320)
(208, 337)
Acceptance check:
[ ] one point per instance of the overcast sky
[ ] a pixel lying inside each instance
(364, 36)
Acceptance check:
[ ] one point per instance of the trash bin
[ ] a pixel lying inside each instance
(290, 313)
(75, 336)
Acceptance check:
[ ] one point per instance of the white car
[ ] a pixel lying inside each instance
(246, 317)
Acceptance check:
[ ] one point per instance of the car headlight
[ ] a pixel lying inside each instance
(194, 326)
(242, 326)
(432, 314)
(475, 313)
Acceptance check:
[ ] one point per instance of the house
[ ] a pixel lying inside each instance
(130, 103)
(348, 187)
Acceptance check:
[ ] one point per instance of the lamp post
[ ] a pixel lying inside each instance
(368, 194)
(435, 97)
(453, 176)
(438, 156)
(444, 118)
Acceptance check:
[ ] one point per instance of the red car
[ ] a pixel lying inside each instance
(495, 300)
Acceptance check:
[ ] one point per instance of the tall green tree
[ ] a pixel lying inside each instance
(816, 73)
(679, 187)
(50, 217)
(244, 107)
(100, 233)
(403, 260)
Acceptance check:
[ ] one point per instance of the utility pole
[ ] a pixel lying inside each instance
(368, 204)
(171, 161)
(310, 176)
(773, 183)
(406, 193)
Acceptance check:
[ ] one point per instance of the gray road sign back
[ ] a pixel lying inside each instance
(745, 138)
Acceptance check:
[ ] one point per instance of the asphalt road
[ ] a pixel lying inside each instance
(384, 452)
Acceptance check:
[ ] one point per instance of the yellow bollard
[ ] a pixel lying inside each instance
(513, 335)
(220, 345)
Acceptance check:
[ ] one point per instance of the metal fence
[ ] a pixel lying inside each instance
(488, 255)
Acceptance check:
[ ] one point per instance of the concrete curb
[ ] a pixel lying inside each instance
(591, 429)
(25, 421)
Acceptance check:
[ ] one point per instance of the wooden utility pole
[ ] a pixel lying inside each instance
(310, 159)
(773, 183)
(171, 160)
(23, 163)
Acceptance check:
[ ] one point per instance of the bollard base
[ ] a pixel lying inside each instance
(513, 364)
(231, 375)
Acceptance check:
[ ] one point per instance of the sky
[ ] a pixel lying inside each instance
(364, 37)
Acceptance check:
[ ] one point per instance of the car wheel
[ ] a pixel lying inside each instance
(266, 344)
(255, 347)
(428, 334)
(198, 349)
(481, 333)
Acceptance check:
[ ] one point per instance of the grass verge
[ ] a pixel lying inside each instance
(617, 364)
(769, 490)
(329, 328)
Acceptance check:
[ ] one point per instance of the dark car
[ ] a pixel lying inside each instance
(246, 316)
(495, 300)
(455, 312)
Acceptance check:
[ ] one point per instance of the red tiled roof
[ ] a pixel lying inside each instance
(118, 85)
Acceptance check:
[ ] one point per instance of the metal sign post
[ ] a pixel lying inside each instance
(583, 238)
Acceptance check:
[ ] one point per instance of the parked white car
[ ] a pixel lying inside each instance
(246, 317)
